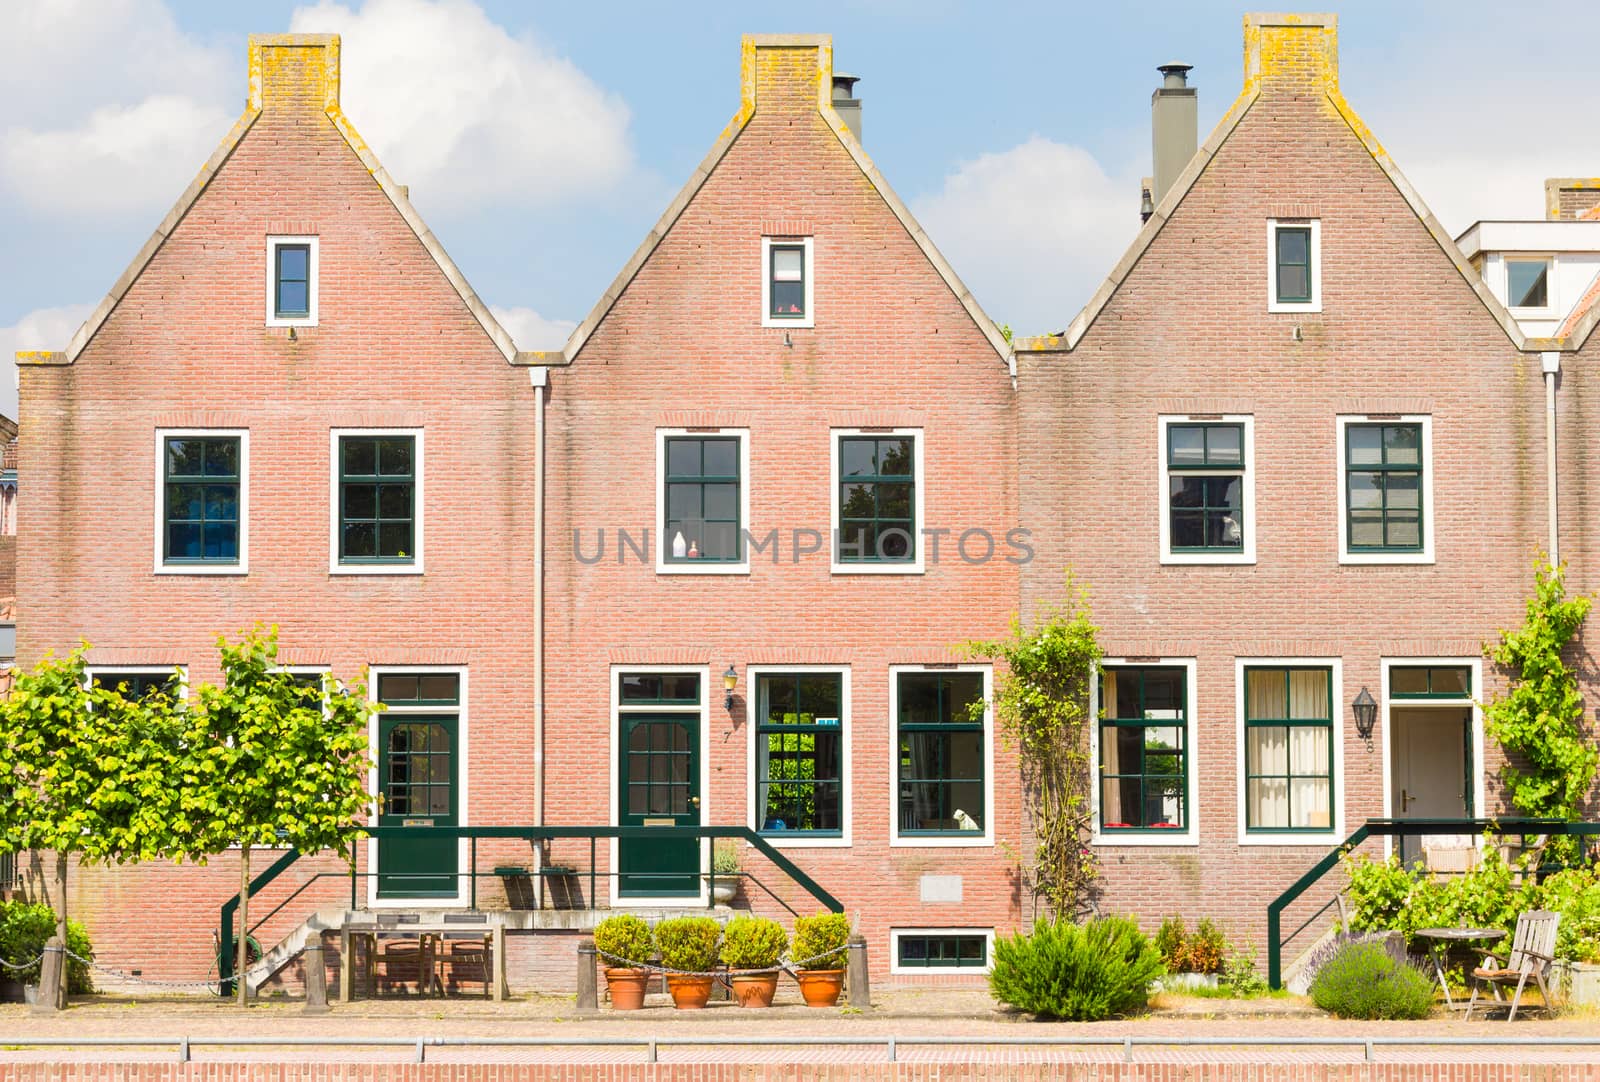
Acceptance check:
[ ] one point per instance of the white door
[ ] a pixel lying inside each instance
(1429, 778)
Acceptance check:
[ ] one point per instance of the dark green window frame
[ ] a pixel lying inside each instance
(1284, 259)
(1384, 475)
(1436, 682)
(796, 743)
(1216, 464)
(141, 684)
(948, 704)
(1289, 776)
(205, 505)
(877, 507)
(773, 283)
(1153, 772)
(942, 950)
(282, 276)
(419, 688)
(383, 484)
(695, 484)
(658, 689)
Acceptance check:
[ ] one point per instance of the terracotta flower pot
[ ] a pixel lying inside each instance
(689, 993)
(820, 987)
(627, 987)
(755, 989)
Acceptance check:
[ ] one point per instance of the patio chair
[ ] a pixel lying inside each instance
(1532, 952)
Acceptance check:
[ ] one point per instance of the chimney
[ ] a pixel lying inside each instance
(293, 72)
(1291, 54)
(1174, 127)
(1571, 198)
(845, 102)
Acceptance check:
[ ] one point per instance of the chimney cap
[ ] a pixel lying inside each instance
(1174, 69)
(1174, 76)
(844, 85)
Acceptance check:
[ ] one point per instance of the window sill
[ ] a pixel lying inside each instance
(703, 569)
(1179, 559)
(296, 321)
(202, 569)
(375, 569)
(804, 324)
(1295, 307)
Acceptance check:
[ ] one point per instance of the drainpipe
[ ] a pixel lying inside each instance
(1550, 362)
(540, 378)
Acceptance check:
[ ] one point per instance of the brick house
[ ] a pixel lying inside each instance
(782, 454)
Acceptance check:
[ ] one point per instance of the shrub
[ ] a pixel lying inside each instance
(1169, 942)
(1363, 980)
(1205, 949)
(819, 941)
(689, 943)
(725, 858)
(1239, 974)
(1079, 972)
(24, 930)
(753, 943)
(1575, 894)
(624, 939)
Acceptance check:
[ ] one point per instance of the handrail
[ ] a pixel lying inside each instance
(1398, 828)
(533, 835)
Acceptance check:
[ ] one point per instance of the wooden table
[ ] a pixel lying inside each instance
(430, 938)
(1439, 943)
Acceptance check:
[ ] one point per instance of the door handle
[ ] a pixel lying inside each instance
(1405, 800)
(694, 801)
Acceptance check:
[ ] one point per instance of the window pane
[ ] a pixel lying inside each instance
(1187, 445)
(184, 457)
(293, 298)
(1366, 444)
(222, 541)
(1294, 246)
(721, 502)
(895, 457)
(1294, 283)
(1527, 283)
(1224, 445)
(1308, 694)
(394, 455)
(439, 686)
(1402, 445)
(721, 458)
(919, 699)
(397, 687)
(1403, 491)
(360, 540)
(1452, 681)
(1408, 681)
(1266, 694)
(858, 458)
(683, 458)
(1268, 800)
(720, 541)
(394, 539)
(1404, 531)
(294, 262)
(361, 501)
(183, 542)
(360, 456)
(222, 457)
(964, 689)
(1366, 490)
(1366, 529)
(787, 264)
(394, 501)
(788, 299)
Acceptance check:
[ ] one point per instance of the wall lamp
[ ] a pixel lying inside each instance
(730, 680)
(1366, 711)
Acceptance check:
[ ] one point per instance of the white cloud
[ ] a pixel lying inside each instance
(1032, 230)
(531, 331)
(46, 328)
(465, 113)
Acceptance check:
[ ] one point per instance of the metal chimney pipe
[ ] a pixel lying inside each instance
(845, 102)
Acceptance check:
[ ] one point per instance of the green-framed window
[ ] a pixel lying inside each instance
(1144, 749)
(419, 689)
(877, 499)
(1383, 487)
(202, 507)
(144, 684)
(1288, 749)
(786, 281)
(291, 281)
(1205, 486)
(1430, 682)
(941, 950)
(800, 753)
(1292, 267)
(377, 499)
(659, 689)
(940, 751)
(703, 500)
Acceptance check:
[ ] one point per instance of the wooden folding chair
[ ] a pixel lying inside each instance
(1532, 953)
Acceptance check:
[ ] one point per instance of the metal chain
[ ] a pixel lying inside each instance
(24, 965)
(626, 963)
(260, 967)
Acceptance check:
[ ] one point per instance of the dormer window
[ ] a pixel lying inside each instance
(291, 281)
(786, 291)
(1527, 283)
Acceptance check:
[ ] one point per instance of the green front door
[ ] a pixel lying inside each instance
(417, 772)
(660, 781)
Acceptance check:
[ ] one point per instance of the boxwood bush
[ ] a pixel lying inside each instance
(753, 943)
(1079, 972)
(689, 944)
(24, 930)
(622, 939)
(1362, 979)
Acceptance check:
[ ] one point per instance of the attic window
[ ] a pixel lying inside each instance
(1294, 261)
(786, 283)
(291, 281)
(1528, 283)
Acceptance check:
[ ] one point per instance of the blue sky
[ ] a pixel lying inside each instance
(1017, 132)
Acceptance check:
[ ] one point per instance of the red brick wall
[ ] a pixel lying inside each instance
(684, 346)
(396, 346)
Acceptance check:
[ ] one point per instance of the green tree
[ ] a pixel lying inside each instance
(1538, 720)
(1042, 703)
(281, 763)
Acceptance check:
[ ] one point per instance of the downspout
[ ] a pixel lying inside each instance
(540, 378)
(1550, 362)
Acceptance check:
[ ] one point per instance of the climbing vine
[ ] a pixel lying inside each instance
(1042, 705)
(1538, 720)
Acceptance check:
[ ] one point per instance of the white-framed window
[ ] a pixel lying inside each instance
(292, 269)
(702, 501)
(799, 754)
(202, 501)
(923, 952)
(1294, 265)
(1530, 284)
(788, 273)
(877, 501)
(1143, 746)
(1385, 489)
(375, 501)
(1208, 497)
(138, 681)
(1290, 752)
(941, 760)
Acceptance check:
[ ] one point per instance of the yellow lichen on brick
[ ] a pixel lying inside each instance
(1291, 50)
(294, 70)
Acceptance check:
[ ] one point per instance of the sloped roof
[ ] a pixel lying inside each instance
(219, 157)
(1253, 27)
(730, 135)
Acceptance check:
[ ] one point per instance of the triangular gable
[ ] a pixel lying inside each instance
(747, 109)
(396, 193)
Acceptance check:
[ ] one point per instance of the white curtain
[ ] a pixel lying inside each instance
(1288, 750)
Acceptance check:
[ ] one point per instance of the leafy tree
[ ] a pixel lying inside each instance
(1539, 718)
(1042, 703)
(282, 763)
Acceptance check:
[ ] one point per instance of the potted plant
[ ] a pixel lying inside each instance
(625, 938)
(689, 945)
(819, 952)
(725, 868)
(754, 945)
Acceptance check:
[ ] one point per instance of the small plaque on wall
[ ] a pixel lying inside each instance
(941, 888)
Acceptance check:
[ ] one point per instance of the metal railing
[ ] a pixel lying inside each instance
(534, 836)
(890, 1043)
(1391, 828)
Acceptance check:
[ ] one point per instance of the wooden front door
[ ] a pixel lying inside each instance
(659, 776)
(1432, 768)
(417, 771)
